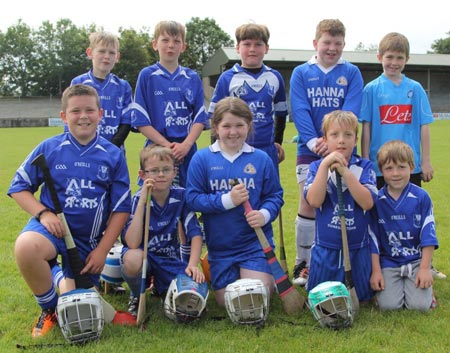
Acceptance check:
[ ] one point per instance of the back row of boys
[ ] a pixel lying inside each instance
(168, 109)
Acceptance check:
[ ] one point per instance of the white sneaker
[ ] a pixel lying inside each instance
(301, 274)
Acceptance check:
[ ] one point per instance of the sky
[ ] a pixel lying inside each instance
(291, 23)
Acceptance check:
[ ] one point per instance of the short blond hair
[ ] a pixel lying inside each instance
(395, 151)
(252, 31)
(342, 117)
(332, 26)
(76, 91)
(172, 28)
(155, 151)
(106, 38)
(394, 41)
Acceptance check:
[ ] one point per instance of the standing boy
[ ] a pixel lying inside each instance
(340, 133)
(169, 99)
(260, 86)
(405, 235)
(92, 184)
(114, 92)
(325, 83)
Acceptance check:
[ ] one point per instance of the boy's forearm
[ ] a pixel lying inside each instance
(427, 256)
(115, 225)
(196, 250)
(153, 135)
(194, 134)
(365, 140)
(361, 195)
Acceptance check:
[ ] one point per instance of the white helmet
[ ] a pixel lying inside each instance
(331, 305)
(80, 315)
(247, 301)
(185, 299)
(111, 272)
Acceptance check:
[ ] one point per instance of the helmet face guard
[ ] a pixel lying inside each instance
(111, 272)
(80, 315)
(331, 305)
(186, 299)
(247, 301)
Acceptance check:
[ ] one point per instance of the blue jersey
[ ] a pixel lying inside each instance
(403, 227)
(395, 112)
(227, 232)
(163, 240)
(314, 93)
(91, 182)
(265, 94)
(328, 224)
(170, 102)
(115, 99)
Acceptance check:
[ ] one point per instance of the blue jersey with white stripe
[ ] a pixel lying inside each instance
(163, 238)
(170, 102)
(395, 112)
(91, 182)
(402, 227)
(328, 224)
(210, 174)
(115, 99)
(314, 93)
(265, 94)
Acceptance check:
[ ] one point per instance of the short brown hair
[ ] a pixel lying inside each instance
(160, 152)
(342, 117)
(252, 31)
(332, 26)
(172, 28)
(78, 90)
(235, 106)
(395, 151)
(394, 42)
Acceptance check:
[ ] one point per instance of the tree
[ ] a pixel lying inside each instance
(441, 46)
(203, 38)
(16, 59)
(136, 52)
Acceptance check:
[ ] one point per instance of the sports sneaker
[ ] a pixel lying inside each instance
(133, 305)
(438, 274)
(433, 302)
(44, 323)
(301, 273)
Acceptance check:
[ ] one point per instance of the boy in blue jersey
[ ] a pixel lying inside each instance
(325, 83)
(169, 100)
(260, 86)
(340, 133)
(168, 210)
(92, 183)
(404, 236)
(114, 92)
(234, 251)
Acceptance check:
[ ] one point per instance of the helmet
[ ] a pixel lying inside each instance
(80, 315)
(205, 267)
(331, 305)
(111, 272)
(247, 301)
(186, 299)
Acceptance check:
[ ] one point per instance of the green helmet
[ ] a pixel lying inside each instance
(331, 305)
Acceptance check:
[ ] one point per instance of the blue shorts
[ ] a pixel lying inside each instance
(60, 246)
(227, 270)
(328, 265)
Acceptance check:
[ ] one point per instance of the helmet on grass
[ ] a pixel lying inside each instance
(331, 305)
(185, 299)
(111, 272)
(80, 315)
(247, 301)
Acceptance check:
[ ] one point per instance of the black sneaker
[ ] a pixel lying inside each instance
(301, 273)
(133, 305)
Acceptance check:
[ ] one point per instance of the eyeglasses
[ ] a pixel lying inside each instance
(157, 171)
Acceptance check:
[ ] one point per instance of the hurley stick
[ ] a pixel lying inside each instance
(283, 261)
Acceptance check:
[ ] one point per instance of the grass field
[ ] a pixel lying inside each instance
(373, 331)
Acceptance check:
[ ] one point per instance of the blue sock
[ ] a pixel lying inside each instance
(48, 300)
(57, 275)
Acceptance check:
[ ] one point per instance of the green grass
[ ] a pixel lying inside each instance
(373, 331)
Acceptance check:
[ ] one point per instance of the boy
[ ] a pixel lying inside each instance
(405, 235)
(340, 133)
(92, 183)
(396, 107)
(168, 210)
(260, 86)
(169, 101)
(114, 92)
(325, 83)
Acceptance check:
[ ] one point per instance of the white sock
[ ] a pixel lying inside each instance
(304, 236)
